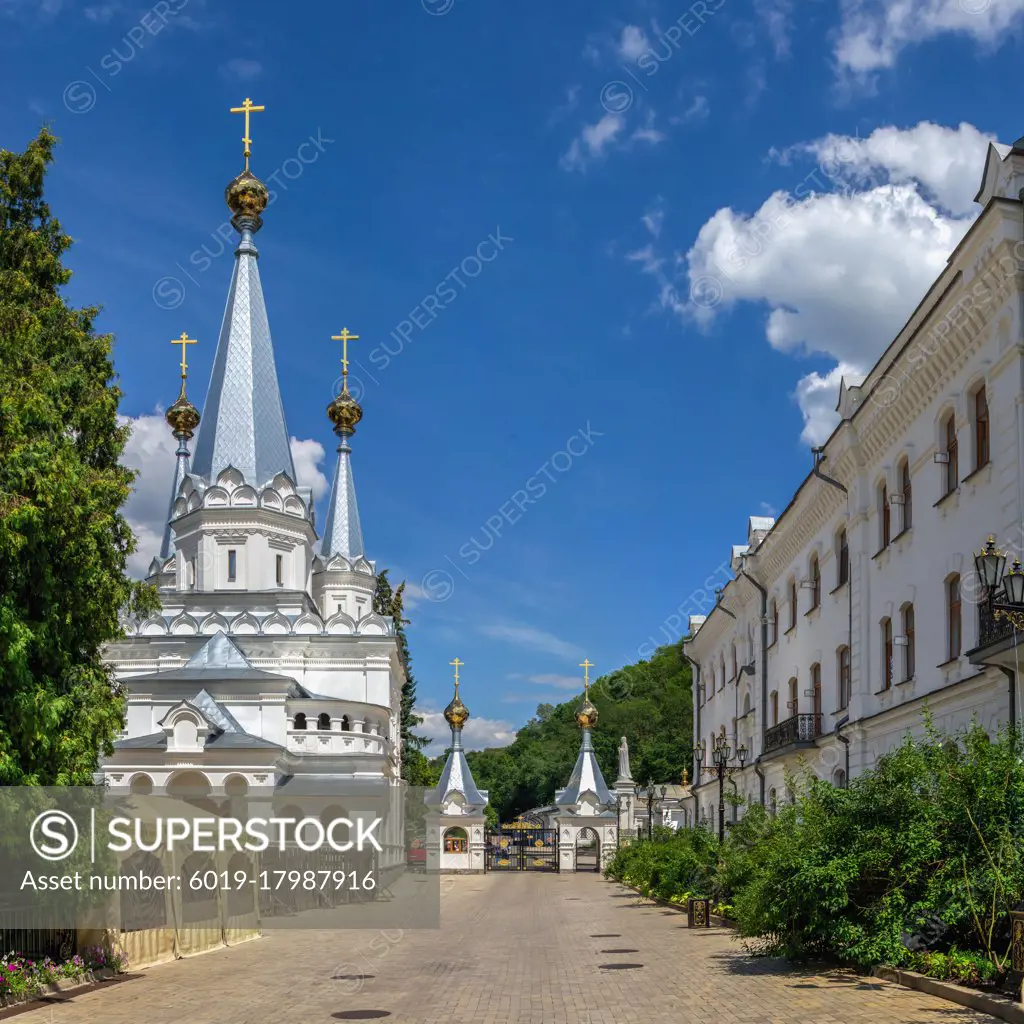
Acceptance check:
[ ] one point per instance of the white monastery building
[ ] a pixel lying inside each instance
(860, 606)
(267, 670)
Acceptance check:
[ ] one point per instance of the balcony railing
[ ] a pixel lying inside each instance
(990, 629)
(316, 741)
(798, 729)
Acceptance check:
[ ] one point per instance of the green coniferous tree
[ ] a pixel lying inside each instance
(388, 602)
(64, 543)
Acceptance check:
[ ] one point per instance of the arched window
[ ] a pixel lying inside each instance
(721, 672)
(773, 622)
(773, 704)
(884, 519)
(773, 801)
(300, 721)
(815, 582)
(843, 673)
(842, 558)
(734, 666)
(816, 695)
(792, 604)
(839, 778)
(953, 623)
(907, 626)
(456, 840)
(793, 704)
(886, 626)
(981, 428)
(905, 489)
(952, 470)
(323, 721)
(141, 784)
(346, 725)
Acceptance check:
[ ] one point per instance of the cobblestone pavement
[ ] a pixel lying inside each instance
(512, 948)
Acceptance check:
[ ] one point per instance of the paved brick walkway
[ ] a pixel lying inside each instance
(513, 948)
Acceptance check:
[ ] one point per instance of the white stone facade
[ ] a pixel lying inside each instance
(817, 658)
(266, 671)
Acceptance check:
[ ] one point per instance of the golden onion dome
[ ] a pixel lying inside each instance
(456, 714)
(247, 198)
(183, 416)
(345, 412)
(586, 714)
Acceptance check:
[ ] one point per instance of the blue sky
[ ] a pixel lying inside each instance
(704, 214)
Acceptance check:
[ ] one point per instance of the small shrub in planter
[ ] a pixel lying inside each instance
(99, 959)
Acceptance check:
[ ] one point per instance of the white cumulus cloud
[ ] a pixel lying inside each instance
(592, 141)
(946, 161)
(308, 456)
(873, 33)
(633, 43)
(841, 258)
(477, 734)
(150, 452)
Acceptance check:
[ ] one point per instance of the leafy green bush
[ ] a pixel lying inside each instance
(958, 965)
(683, 863)
(925, 850)
(931, 833)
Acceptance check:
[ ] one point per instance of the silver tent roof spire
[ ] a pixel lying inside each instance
(243, 417)
(343, 534)
(586, 775)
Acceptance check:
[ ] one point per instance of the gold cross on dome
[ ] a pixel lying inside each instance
(183, 341)
(345, 337)
(458, 664)
(586, 664)
(247, 108)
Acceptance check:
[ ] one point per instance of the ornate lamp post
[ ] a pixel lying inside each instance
(720, 766)
(1005, 590)
(651, 795)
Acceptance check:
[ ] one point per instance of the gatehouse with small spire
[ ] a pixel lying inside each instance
(455, 807)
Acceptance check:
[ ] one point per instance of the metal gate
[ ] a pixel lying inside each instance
(522, 846)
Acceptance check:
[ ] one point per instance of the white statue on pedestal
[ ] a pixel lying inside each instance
(624, 772)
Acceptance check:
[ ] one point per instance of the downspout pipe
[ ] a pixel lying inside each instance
(764, 667)
(845, 740)
(1011, 675)
(819, 458)
(696, 719)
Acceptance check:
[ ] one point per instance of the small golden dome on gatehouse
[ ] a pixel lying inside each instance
(586, 715)
(456, 714)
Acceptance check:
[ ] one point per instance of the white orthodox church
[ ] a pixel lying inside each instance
(267, 670)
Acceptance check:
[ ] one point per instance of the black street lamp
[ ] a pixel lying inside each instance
(650, 794)
(1004, 592)
(720, 754)
(1007, 602)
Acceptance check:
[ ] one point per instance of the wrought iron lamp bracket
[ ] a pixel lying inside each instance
(1015, 616)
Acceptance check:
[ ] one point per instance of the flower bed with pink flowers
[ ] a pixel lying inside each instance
(22, 977)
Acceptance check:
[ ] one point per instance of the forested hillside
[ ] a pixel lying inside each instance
(651, 703)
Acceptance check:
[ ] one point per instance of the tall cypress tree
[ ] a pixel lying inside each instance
(64, 543)
(388, 602)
